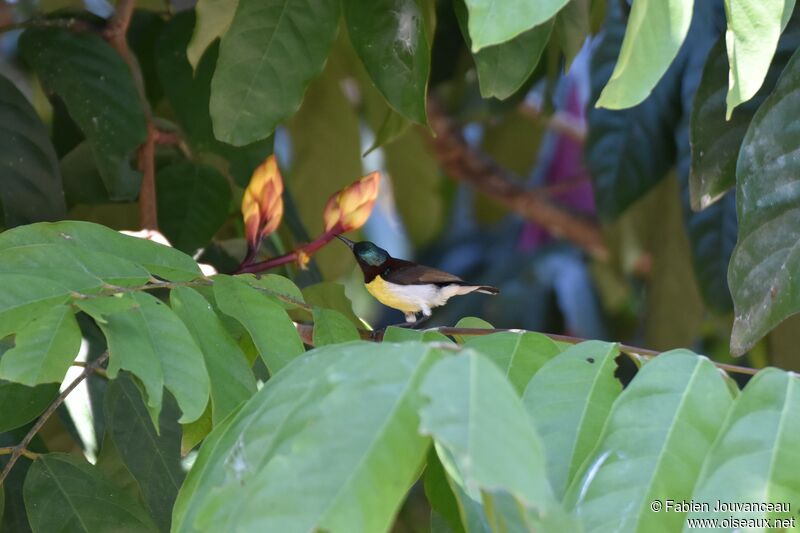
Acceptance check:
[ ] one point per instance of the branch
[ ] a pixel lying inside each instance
(66, 23)
(22, 448)
(465, 164)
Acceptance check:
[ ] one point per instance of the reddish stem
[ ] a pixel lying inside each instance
(291, 257)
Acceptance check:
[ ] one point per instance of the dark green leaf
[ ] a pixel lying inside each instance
(331, 295)
(270, 327)
(193, 202)
(390, 39)
(440, 495)
(32, 189)
(82, 181)
(497, 21)
(43, 349)
(268, 56)
(232, 381)
(65, 493)
(392, 126)
(149, 340)
(153, 458)
(761, 275)
(112, 465)
(283, 463)
(332, 327)
(213, 19)
(572, 27)
(28, 402)
(98, 90)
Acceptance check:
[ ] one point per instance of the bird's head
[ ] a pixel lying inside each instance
(366, 253)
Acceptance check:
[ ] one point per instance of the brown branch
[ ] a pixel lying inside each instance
(148, 213)
(22, 448)
(465, 164)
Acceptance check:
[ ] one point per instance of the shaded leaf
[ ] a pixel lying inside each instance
(497, 21)
(331, 295)
(392, 126)
(332, 327)
(572, 27)
(439, 494)
(111, 464)
(213, 19)
(28, 402)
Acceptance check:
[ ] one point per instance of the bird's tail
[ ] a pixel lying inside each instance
(487, 289)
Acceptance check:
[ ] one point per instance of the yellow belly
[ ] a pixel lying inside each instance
(389, 297)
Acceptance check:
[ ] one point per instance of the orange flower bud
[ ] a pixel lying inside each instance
(350, 208)
(262, 204)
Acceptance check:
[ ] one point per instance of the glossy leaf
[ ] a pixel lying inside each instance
(497, 21)
(684, 400)
(389, 37)
(159, 260)
(148, 340)
(518, 355)
(283, 462)
(752, 37)
(569, 399)
(193, 202)
(151, 456)
(32, 189)
(760, 274)
(28, 402)
(65, 493)
(213, 19)
(99, 92)
(270, 327)
(267, 58)
(655, 32)
(44, 349)
(759, 444)
(231, 379)
(332, 327)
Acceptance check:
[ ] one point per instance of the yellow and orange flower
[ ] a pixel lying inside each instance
(350, 208)
(262, 204)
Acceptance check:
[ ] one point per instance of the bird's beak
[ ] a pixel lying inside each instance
(347, 241)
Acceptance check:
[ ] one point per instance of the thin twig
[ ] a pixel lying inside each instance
(99, 371)
(22, 448)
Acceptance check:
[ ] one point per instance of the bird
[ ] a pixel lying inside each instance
(407, 286)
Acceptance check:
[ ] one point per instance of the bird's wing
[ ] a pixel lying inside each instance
(408, 273)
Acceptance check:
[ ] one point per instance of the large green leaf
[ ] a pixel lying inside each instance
(286, 463)
(518, 355)
(44, 349)
(213, 19)
(271, 51)
(98, 90)
(331, 295)
(472, 408)
(761, 273)
(231, 379)
(28, 402)
(159, 260)
(32, 189)
(440, 496)
(569, 399)
(152, 457)
(389, 36)
(655, 32)
(270, 327)
(504, 68)
(752, 37)
(25, 297)
(146, 338)
(331, 327)
(65, 493)
(657, 435)
(497, 21)
(193, 202)
(759, 445)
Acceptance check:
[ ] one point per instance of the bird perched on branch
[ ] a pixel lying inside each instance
(407, 286)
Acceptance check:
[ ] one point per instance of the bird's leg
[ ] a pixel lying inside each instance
(424, 318)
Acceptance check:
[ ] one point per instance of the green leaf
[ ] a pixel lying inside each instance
(112, 465)
(569, 399)
(158, 259)
(268, 56)
(28, 402)
(392, 127)
(518, 355)
(44, 349)
(150, 341)
(270, 327)
(231, 379)
(655, 31)
(213, 19)
(32, 189)
(331, 295)
(65, 493)
(99, 92)
(497, 21)
(25, 297)
(193, 433)
(504, 68)
(2, 502)
(439, 494)
(759, 444)
(282, 287)
(332, 327)
(752, 37)
(657, 435)
(572, 27)
(151, 456)
(761, 270)
(400, 334)
(283, 462)
(470, 322)
(390, 39)
(471, 407)
(193, 202)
